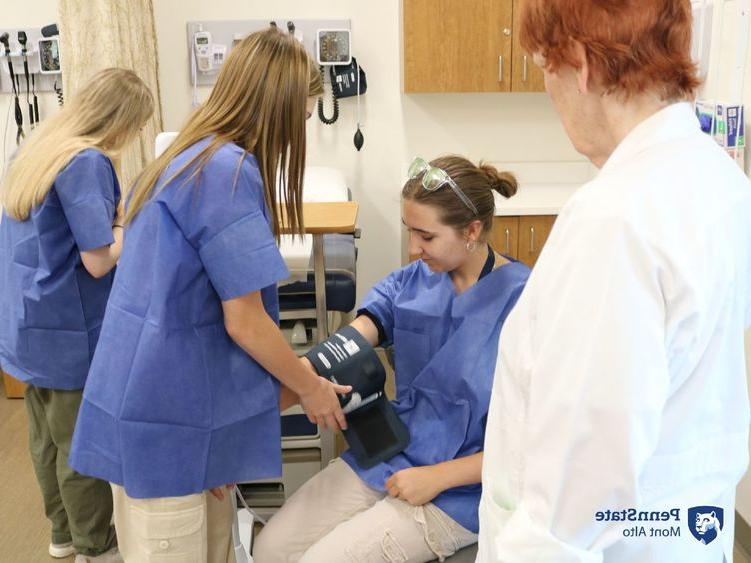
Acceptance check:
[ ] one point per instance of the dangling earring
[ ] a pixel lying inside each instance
(471, 246)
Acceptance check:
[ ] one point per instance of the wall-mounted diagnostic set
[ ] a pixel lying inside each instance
(30, 63)
(328, 41)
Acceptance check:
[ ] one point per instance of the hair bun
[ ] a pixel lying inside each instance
(503, 182)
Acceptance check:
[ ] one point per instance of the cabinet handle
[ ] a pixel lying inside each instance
(532, 239)
(524, 69)
(508, 242)
(500, 68)
(507, 32)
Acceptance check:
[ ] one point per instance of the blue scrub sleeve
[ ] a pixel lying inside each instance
(243, 258)
(86, 189)
(379, 303)
(235, 241)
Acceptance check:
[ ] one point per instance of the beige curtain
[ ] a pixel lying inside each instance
(97, 34)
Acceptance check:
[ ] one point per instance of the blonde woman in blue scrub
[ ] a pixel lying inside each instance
(60, 237)
(183, 393)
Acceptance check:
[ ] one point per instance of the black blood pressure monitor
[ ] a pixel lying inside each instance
(375, 433)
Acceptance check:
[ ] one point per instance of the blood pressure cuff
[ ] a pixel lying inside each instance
(375, 433)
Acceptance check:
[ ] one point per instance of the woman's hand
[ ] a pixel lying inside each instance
(99, 261)
(249, 325)
(416, 485)
(287, 397)
(219, 493)
(321, 404)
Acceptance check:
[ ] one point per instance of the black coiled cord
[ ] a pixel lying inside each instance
(321, 114)
(58, 93)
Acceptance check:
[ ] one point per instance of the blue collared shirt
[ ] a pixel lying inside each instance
(51, 308)
(173, 405)
(445, 349)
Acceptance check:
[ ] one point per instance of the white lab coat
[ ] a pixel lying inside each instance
(621, 379)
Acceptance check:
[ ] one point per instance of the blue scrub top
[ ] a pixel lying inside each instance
(172, 405)
(51, 308)
(445, 348)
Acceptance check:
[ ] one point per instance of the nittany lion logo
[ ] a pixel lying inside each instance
(705, 522)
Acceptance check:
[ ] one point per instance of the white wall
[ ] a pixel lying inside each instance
(506, 128)
(18, 15)
(496, 127)
(744, 489)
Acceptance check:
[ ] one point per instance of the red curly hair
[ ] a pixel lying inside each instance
(632, 46)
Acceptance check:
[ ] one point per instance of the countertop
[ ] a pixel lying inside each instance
(535, 199)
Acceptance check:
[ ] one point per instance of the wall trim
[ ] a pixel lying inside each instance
(742, 532)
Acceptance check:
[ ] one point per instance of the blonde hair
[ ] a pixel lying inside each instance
(106, 115)
(258, 103)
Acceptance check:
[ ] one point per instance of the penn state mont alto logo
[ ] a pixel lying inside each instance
(705, 523)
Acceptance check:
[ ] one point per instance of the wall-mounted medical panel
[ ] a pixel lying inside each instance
(43, 59)
(210, 42)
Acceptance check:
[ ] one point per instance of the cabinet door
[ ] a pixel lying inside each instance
(527, 76)
(533, 232)
(457, 45)
(504, 237)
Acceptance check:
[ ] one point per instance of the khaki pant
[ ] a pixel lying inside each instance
(335, 517)
(79, 507)
(190, 529)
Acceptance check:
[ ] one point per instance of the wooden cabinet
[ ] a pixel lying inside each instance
(465, 46)
(521, 237)
(527, 76)
(533, 232)
(504, 237)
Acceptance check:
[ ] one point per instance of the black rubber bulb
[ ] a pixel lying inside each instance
(359, 139)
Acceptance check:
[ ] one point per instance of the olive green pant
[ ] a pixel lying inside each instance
(79, 507)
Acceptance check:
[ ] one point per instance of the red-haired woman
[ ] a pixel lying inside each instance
(621, 381)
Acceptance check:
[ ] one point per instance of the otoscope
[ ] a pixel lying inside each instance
(22, 41)
(5, 40)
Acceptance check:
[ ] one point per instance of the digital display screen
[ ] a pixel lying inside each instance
(202, 40)
(49, 55)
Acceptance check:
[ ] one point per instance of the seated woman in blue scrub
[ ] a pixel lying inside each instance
(443, 314)
(60, 237)
(183, 393)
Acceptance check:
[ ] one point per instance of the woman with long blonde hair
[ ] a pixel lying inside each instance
(60, 237)
(183, 393)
